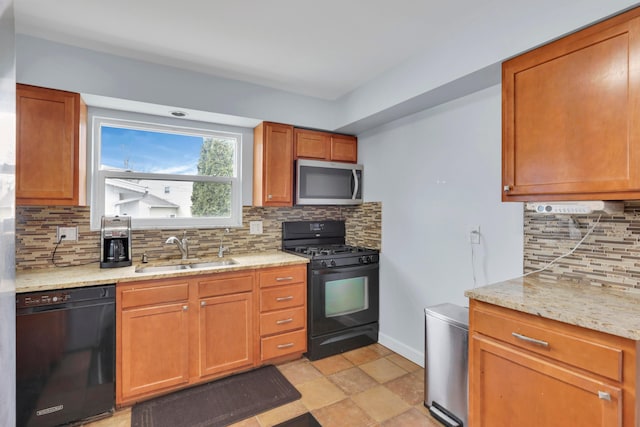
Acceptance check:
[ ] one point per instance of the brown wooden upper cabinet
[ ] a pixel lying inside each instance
(273, 165)
(571, 116)
(310, 144)
(51, 144)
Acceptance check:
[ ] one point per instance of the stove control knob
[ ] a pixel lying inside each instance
(333, 263)
(323, 264)
(364, 260)
(361, 260)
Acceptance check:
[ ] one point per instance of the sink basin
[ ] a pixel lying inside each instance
(161, 268)
(178, 267)
(210, 264)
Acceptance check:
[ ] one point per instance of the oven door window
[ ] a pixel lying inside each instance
(346, 296)
(341, 298)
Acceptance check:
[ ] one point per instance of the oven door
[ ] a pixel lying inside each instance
(343, 297)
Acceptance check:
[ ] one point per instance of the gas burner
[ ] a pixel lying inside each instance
(328, 250)
(326, 247)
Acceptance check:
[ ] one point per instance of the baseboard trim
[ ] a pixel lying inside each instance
(402, 349)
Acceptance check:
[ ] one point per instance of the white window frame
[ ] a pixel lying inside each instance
(99, 177)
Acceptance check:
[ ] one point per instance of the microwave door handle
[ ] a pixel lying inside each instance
(357, 184)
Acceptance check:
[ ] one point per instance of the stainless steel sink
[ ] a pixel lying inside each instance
(178, 267)
(161, 268)
(212, 264)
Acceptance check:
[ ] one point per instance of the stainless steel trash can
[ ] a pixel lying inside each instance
(446, 358)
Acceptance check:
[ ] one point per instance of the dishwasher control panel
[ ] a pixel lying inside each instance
(44, 298)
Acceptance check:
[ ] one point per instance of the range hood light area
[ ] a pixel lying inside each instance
(578, 207)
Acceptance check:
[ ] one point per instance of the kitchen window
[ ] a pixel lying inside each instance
(165, 176)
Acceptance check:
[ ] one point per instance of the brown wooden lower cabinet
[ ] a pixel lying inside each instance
(529, 371)
(283, 314)
(226, 333)
(155, 348)
(177, 332)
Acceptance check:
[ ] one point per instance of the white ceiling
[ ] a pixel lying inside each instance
(321, 48)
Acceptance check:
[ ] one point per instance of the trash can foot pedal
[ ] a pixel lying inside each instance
(441, 415)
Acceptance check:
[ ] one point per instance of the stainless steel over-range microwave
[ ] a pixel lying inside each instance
(321, 182)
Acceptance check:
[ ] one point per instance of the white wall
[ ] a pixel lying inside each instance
(59, 66)
(475, 43)
(7, 216)
(438, 174)
(463, 60)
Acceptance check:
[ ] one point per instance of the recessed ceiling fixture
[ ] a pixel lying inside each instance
(178, 113)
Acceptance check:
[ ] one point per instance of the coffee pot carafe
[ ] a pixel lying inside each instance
(115, 247)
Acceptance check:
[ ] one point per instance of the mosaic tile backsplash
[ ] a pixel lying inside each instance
(36, 233)
(609, 256)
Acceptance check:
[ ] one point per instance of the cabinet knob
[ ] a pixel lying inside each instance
(270, 196)
(203, 303)
(604, 395)
(506, 188)
(185, 307)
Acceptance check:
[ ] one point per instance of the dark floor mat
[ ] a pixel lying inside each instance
(304, 420)
(218, 403)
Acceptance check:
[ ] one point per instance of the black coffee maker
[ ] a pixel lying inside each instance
(115, 242)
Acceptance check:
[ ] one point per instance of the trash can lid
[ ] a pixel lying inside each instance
(450, 313)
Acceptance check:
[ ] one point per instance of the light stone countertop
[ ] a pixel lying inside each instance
(611, 310)
(91, 275)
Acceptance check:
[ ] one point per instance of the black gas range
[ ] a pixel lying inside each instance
(342, 287)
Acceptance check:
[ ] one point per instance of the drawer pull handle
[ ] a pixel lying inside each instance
(287, 345)
(287, 298)
(282, 279)
(530, 340)
(283, 321)
(604, 395)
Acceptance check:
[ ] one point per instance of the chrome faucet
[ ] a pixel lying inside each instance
(183, 244)
(222, 249)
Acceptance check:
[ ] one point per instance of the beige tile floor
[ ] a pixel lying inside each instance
(369, 386)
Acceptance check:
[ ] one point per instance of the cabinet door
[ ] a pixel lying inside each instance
(273, 165)
(154, 349)
(226, 333)
(344, 148)
(571, 117)
(312, 145)
(511, 387)
(50, 146)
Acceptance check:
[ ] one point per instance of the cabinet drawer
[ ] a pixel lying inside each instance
(282, 297)
(225, 284)
(282, 321)
(283, 276)
(166, 293)
(551, 341)
(284, 344)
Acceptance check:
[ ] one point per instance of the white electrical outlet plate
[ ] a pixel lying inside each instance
(255, 227)
(70, 233)
(474, 235)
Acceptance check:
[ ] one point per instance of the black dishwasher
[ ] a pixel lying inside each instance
(65, 355)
